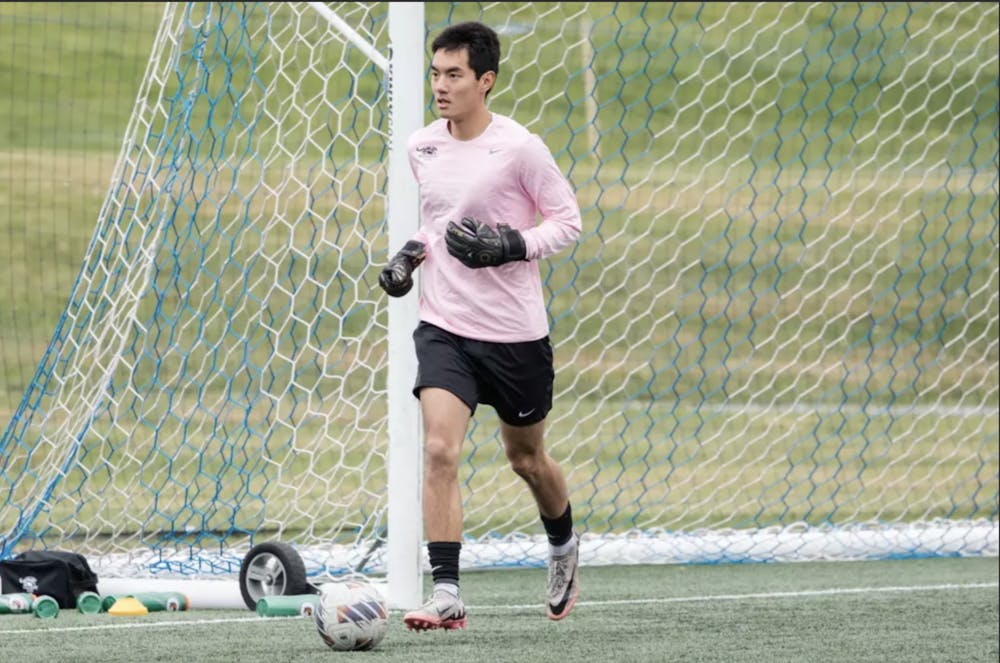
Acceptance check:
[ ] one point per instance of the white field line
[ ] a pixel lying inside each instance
(535, 606)
(942, 411)
(763, 595)
(165, 624)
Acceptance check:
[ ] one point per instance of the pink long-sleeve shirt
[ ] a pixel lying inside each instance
(504, 175)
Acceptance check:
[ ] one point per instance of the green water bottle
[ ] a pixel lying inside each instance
(14, 604)
(288, 606)
(89, 603)
(45, 607)
(160, 601)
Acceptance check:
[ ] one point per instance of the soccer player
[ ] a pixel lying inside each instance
(483, 334)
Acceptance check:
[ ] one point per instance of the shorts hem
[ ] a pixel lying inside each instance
(525, 422)
(419, 387)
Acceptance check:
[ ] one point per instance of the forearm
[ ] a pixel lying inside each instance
(553, 234)
(554, 199)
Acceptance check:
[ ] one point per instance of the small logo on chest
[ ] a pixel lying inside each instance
(427, 151)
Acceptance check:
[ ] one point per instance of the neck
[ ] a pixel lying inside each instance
(470, 127)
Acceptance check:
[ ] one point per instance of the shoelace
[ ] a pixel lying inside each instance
(558, 576)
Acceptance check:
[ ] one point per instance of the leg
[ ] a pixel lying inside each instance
(526, 452)
(446, 418)
(525, 449)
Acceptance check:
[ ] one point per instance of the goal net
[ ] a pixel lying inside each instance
(776, 339)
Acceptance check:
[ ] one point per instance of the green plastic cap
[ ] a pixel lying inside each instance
(45, 607)
(88, 603)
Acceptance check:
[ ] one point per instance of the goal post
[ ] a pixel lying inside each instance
(776, 339)
(406, 84)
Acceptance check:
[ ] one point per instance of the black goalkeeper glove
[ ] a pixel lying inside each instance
(478, 245)
(397, 277)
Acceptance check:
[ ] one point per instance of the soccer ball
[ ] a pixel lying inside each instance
(351, 615)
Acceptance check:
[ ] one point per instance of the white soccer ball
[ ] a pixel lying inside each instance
(351, 615)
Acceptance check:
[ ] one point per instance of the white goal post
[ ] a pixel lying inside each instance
(406, 85)
(776, 339)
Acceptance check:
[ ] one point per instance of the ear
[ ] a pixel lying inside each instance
(487, 81)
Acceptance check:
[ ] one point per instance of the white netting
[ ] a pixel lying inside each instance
(218, 373)
(776, 339)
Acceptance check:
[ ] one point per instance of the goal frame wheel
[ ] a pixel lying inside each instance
(272, 568)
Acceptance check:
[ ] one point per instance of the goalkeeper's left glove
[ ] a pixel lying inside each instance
(478, 245)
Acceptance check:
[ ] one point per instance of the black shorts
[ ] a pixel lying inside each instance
(515, 378)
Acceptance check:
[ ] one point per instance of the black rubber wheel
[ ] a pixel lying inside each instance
(272, 569)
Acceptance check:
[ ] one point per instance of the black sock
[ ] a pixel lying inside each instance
(559, 530)
(444, 560)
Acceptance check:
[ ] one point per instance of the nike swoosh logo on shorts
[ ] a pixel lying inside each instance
(525, 414)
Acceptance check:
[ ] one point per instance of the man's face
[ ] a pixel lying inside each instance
(457, 93)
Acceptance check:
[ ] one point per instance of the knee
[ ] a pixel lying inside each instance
(440, 455)
(528, 466)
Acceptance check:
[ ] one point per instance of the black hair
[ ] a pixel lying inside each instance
(480, 42)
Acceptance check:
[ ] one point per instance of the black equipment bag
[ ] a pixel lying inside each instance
(61, 575)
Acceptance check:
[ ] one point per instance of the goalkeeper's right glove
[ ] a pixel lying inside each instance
(397, 276)
(477, 245)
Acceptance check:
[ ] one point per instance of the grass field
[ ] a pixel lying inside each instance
(902, 611)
